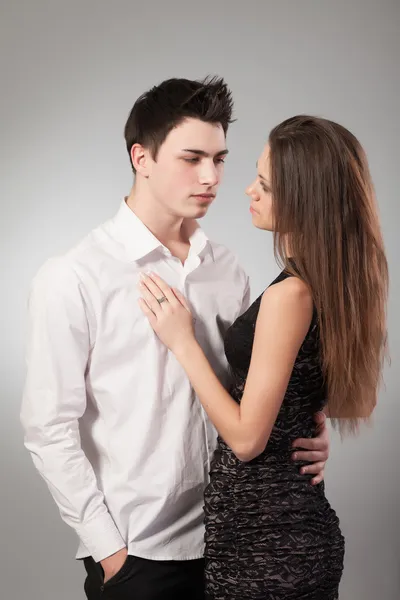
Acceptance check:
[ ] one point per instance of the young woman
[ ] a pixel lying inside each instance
(315, 339)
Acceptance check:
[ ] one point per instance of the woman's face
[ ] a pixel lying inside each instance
(260, 195)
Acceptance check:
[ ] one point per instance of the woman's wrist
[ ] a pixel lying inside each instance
(187, 350)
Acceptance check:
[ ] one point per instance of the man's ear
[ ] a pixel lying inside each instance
(141, 159)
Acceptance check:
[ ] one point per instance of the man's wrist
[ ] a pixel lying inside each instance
(115, 554)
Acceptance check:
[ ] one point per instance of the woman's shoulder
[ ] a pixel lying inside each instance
(289, 296)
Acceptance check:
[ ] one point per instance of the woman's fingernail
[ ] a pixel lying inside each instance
(295, 456)
(303, 471)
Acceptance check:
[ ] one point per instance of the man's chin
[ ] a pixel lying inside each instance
(197, 213)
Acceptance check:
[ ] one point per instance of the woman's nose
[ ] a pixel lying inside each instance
(250, 189)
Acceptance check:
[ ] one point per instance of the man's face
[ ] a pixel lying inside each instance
(185, 177)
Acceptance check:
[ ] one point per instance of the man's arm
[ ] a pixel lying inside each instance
(55, 398)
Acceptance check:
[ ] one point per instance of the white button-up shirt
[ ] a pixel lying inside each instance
(109, 415)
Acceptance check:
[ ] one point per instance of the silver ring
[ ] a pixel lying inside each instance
(161, 300)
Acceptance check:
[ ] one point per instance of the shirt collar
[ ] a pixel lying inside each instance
(139, 241)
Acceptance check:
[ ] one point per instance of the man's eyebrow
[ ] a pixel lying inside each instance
(205, 154)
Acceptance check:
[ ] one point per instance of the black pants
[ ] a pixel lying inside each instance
(142, 579)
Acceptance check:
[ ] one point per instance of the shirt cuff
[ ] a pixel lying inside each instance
(101, 537)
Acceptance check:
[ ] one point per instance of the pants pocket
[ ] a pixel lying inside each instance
(121, 575)
(95, 574)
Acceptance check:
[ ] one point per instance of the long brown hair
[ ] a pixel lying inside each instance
(324, 207)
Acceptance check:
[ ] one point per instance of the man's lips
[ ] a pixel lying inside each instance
(204, 197)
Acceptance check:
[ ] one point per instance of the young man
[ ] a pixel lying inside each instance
(110, 418)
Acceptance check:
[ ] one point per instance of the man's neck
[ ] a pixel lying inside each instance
(165, 227)
(174, 233)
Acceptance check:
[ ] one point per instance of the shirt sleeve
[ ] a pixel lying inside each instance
(55, 398)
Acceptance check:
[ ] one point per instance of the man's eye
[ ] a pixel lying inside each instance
(191, 160)
(219, 160)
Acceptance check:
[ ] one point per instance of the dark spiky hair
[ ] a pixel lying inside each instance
(157, 111)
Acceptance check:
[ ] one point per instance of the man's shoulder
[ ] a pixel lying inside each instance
(68, 267)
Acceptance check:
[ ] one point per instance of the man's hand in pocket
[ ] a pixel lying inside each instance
(112, 564)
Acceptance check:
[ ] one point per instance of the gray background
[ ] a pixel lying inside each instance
(70, 72)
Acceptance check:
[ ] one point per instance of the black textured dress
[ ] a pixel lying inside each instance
(270, 534)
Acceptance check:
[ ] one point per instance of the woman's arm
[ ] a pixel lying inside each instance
(283, 321)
